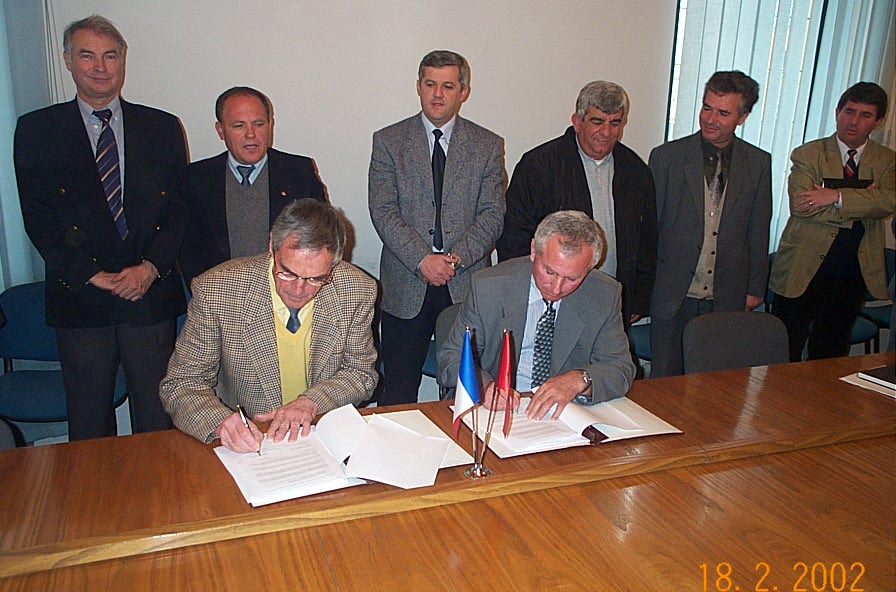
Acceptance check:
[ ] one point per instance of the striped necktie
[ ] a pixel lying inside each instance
(110, 172)
(850, 168)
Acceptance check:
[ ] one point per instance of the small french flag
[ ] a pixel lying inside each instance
(466, 394)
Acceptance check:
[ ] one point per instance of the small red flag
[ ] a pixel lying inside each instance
(503, 380)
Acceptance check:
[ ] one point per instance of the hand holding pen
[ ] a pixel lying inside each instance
(239, 434)
(249, 427)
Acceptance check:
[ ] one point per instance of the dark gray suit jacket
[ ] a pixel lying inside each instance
(742, 259)
(588, 333)
(402, 206)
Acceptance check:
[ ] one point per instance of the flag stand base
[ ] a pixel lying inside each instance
(477, 471)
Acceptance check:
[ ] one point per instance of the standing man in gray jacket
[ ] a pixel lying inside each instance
(436, 198)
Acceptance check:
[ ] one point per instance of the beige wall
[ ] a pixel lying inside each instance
(338, 71)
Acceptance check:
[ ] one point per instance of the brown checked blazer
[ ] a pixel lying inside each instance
(226, 354)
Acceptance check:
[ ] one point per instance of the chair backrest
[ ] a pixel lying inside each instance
(26, 335)
(736, 339)
(443, 328)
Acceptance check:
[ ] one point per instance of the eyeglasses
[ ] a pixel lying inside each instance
(316, 281)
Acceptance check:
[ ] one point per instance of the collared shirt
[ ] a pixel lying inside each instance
(534, 309)
(233, 163)
(599, 175)
(844, 148)
(445, 140)
(710, 154)
(94, 127)
(293, 349)
(280, 309)
(843, 158)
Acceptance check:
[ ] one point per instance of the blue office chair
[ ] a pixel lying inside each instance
(864, 331)
(881, 315)
(443, 327)
(29, 398)
(639, 335)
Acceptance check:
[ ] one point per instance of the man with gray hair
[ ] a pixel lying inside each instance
(100, 181)
(286, 335)
(436, 199)
(589, 169)
(564, 317)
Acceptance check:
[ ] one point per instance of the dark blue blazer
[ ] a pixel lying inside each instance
(68, 220)
(207, 242)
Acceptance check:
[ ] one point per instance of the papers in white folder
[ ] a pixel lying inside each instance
(402, 448)
(617, 420)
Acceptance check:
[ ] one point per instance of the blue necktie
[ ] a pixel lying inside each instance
(293, 324)
(245, 171)
(110, 172)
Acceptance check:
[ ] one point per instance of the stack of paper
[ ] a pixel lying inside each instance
(402, 448)
(617, 419)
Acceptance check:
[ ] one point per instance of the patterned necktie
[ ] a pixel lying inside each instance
(438, 175)
(544, 341)
(850, 168)
(718, 183)
(245, 171)
(293, 324)
(110, 172)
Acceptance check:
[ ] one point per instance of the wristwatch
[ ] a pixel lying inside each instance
(586, 395)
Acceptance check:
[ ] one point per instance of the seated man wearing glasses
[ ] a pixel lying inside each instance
(285, 336)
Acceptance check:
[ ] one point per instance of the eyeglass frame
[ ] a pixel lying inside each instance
(318, 281)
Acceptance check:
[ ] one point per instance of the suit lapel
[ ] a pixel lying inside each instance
(693, 170)
(83, 160)
(567, 330)
(513, 316)
(458, 152)
(416, 146)
(214, 202)
(833, 163)
(258, 331)
(324, 334)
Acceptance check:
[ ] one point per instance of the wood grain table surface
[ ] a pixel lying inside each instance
(821, 519)
(83, 502)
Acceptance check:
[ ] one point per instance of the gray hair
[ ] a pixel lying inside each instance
(99, 25)
(442, 58)
(576, 230)
(309, 224)
(605, 96)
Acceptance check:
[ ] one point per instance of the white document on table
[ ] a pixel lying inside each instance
(617, 419)
(393, 454)
(406, 443)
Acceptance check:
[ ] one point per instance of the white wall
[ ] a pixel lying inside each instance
(338, 71)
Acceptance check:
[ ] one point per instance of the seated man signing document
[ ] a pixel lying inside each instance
(286, 335)
(564, 317)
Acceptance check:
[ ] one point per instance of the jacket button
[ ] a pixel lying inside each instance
(431, 231)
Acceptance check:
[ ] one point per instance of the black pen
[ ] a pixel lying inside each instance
(245, 419)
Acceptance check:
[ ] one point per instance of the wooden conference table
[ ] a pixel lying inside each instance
(159, 511)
